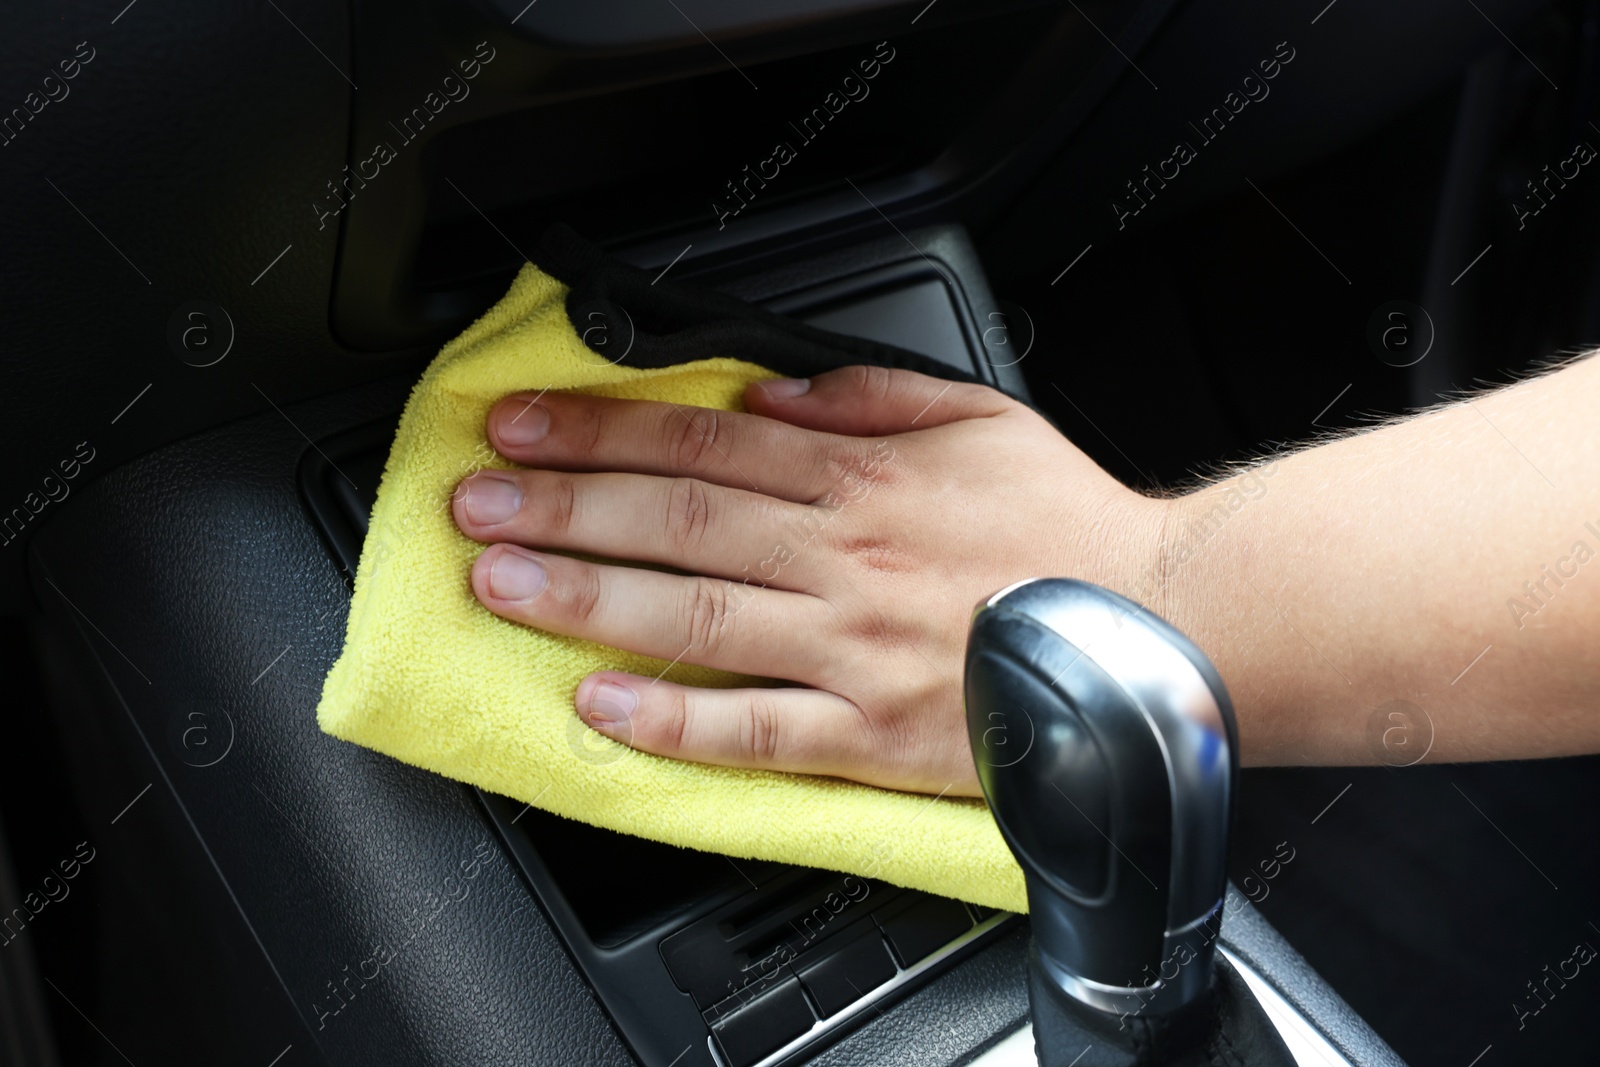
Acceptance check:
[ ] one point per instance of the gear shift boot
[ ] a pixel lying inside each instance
(1225, 1027)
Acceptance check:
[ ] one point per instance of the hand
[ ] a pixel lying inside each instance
(836, 537)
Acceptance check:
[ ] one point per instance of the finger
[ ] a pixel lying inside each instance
(681, 522)
(805, 731)
(713, 622)
(572, 432)
(800, 731)
(863, 401)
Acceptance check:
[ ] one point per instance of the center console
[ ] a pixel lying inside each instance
(707, 960)
(200, 590)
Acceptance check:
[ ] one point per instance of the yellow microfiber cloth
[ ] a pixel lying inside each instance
(431, 677)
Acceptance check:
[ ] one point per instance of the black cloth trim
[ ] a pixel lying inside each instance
(623, 316)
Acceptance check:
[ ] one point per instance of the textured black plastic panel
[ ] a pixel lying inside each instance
(197, 578)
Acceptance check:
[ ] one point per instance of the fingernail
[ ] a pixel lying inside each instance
(491, 498)
(610, 704)
(523, 424)
(514, 576)
(786, 388)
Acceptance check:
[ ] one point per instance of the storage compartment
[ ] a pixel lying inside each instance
(701, 958)
(704, 151)
(443, 200)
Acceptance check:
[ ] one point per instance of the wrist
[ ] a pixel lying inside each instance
(1202, 584)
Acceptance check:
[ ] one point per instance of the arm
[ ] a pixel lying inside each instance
(838, 536)
(1447, 561)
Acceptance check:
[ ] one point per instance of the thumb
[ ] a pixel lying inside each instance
(866, 401)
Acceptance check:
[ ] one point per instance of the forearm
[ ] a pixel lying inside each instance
(1451, 561)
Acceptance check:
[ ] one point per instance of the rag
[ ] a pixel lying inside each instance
(430, 677)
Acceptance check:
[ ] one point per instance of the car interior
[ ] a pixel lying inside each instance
(1190, 232)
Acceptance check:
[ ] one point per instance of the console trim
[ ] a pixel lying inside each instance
(1305, 1042)
(903, 977)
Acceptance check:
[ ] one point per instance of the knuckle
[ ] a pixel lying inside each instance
(904, 737)
(877, 554)
(694, 438)
(881, 382)
(560, 497)
(583, 594)
(855, 467)
(855, 377)
(705, 613)
(674, 723)
(759, 721)
(873, 629)
(688, 514)
(583, 424)
(876, 383)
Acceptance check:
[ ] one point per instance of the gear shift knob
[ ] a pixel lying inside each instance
(1107, 749)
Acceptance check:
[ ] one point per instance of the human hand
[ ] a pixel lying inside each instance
(836, 537)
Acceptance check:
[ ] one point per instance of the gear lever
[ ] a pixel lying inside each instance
(1106, 746)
